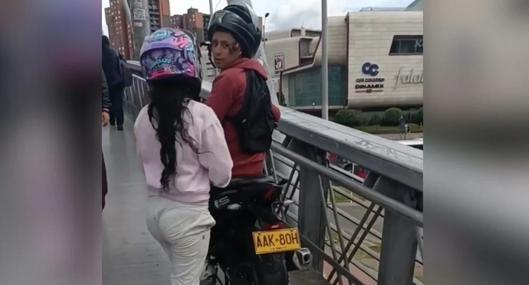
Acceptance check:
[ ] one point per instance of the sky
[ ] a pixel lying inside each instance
(284, 14)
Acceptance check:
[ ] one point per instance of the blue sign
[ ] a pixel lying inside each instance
(370, 69)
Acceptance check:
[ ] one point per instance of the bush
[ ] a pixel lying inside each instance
(391, 117)
(412, 118)
(374, 120)
(415, 117)
(363, 118)
(419, 116)
(408, 115)
(347, 117)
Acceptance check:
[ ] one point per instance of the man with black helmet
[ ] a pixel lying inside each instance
(235, 39)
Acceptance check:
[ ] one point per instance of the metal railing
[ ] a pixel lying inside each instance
(365, 232)
(360, 232)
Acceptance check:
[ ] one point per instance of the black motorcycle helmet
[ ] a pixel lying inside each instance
(238, 21)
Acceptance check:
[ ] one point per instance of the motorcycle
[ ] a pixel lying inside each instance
(250, 243)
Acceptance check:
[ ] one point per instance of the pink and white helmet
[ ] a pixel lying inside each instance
(169, 53)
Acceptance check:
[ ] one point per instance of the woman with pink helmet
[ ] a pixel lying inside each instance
(182, 150)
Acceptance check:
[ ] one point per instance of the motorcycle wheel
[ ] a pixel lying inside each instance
(242, 274)
(271, 269)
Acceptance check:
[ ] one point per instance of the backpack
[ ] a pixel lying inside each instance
(255, 122)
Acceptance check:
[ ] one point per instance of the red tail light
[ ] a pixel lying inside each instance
(270, 194)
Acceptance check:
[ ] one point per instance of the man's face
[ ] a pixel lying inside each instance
(224, 49)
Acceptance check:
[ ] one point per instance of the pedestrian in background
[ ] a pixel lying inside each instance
(105, 118)
(403, 127)
(114, 75)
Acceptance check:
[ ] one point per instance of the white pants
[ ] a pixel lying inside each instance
(183, 232)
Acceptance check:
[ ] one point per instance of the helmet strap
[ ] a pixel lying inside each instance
(209, 57)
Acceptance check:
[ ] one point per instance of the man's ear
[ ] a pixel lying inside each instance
(237, 47)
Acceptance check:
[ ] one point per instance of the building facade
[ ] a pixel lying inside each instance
(375, 61)
(159, 14)
(144, 14)
(417, 5)
(385, 61)
(193, 21)
(119, 30)
(176, 21)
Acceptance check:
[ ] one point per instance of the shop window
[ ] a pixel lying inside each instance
(304, 48)
(406, 45)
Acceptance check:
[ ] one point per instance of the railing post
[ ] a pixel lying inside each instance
(311, 213)
(399, 237)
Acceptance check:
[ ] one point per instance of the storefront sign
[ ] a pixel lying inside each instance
(370, 69)
(279, 62)
(404, 77)
(369, 85)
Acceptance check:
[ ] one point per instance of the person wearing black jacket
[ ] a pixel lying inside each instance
(105, 118)
(114, 77)
(106, 104)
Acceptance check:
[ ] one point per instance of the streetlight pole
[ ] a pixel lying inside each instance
(324, 63)
(264, 26)
(139, 21)
(211, 8)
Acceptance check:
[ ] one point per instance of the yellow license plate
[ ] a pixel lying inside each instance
(276, 241)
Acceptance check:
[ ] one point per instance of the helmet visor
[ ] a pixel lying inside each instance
(169, 52)
(166, 62)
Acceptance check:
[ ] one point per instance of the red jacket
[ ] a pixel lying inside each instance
(226, 99)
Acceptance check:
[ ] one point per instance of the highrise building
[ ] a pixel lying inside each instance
(153, 13)
(177, 21)
(119, 30)
(159, 14)
(193, 21)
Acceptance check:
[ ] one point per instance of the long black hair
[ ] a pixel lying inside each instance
(169, 99)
